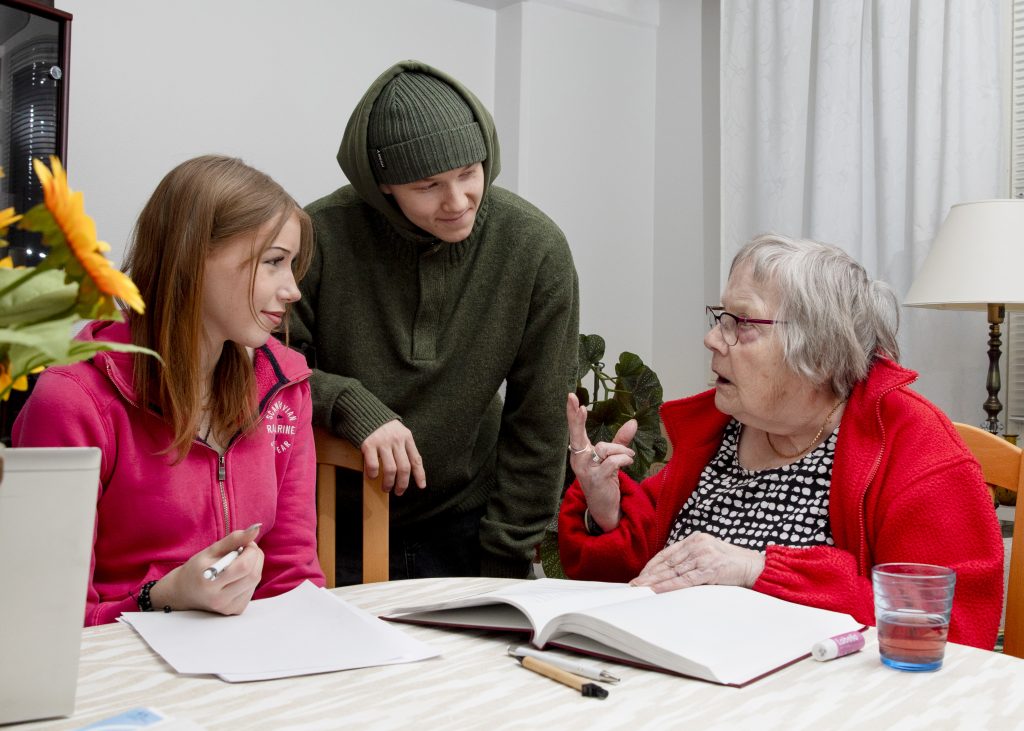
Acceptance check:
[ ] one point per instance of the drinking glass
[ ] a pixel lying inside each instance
(912, 606)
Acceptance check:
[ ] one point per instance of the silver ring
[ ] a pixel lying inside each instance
(578, 451)
(595, 457)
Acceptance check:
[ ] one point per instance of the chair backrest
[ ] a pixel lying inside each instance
(333, 452)
(1001, 466)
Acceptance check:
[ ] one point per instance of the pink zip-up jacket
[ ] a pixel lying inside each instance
(153, 515)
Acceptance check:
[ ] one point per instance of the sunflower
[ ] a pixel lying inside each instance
(78, 230)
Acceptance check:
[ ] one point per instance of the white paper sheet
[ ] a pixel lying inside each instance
(307, 630)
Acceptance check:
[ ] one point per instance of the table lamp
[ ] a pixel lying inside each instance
(977, 263)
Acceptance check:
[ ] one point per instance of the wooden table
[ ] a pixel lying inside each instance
(475, 685)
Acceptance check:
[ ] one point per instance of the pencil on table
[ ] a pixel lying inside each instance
(588, 690)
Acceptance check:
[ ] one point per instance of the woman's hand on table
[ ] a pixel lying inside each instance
(185, 587)
(698, 559)
(597, 465)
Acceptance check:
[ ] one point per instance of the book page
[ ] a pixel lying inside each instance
(737, 634)
(539, 601)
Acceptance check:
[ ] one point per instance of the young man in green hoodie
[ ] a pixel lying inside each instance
(431, 292)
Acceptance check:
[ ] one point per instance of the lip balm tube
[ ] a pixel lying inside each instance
(844, 644)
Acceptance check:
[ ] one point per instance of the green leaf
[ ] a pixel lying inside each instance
(50, 343)
(85, 349)
(639, 381)
(637, 394)
(40, 220)
(646, 389)
(51, 337)
(634, 392)
(94, 304)
(603, 420)
(591, 351)
(36, 297)
(629, 365)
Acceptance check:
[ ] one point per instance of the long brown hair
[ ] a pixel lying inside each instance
(197, 207)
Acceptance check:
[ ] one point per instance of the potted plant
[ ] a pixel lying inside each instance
(634, 392)
(40, 305)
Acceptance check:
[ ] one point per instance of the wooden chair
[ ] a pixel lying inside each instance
(1001, 464)
(332, 452)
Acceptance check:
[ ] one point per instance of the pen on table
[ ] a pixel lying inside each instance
(587, 690)
(227, 559)
(577, 667)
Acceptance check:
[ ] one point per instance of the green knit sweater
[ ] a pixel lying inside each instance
(401, 325)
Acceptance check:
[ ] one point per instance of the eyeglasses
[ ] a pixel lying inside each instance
(733, 325)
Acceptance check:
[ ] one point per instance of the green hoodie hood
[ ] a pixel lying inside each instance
(354, 155)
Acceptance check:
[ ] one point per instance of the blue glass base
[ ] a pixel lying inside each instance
(912, 667)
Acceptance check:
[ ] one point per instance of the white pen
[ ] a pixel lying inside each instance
(227, 559)
(578, 667)
(222, 563)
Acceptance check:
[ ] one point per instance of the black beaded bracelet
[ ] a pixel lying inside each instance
(145, 603)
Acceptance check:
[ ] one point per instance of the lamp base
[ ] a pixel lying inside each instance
(992, 405)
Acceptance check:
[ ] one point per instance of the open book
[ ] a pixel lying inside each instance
(724, 634)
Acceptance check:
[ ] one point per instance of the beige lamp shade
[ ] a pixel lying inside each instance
(977, 258)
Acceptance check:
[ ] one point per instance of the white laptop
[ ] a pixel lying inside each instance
(47, 517)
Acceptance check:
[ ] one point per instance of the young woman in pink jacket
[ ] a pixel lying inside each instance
(211, 450)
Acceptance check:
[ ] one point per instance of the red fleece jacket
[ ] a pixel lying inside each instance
(904, 488)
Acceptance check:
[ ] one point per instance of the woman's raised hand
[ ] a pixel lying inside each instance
(597, 465)
(185, 587)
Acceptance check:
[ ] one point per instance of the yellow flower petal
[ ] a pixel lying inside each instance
(68, 210)
(7, 217)
(5, 381)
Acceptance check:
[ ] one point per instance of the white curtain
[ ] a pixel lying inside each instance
(859, 123)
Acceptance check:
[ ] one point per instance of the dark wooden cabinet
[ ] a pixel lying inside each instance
(35, 48)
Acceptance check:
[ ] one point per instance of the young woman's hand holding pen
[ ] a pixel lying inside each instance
(229, 592)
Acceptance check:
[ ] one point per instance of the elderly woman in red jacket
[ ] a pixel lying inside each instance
(810, 461)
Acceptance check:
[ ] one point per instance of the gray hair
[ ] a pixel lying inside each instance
(836, 319)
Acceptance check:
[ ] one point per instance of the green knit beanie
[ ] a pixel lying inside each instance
(419, 126)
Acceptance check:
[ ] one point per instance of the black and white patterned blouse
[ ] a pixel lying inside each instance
(785, 505)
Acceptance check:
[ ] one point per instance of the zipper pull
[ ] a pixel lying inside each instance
(222, 472)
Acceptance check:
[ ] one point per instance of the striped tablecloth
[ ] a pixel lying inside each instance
(475, 685)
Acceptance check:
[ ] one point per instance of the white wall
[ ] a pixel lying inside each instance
(585, 121)
(153, 83)
(686, 226)
(575, 86)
